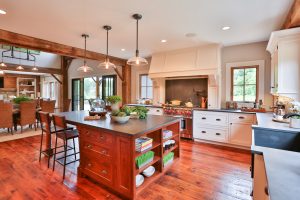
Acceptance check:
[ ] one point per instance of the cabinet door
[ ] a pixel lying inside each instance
(240, 134)
(260, 184)
(212, 99)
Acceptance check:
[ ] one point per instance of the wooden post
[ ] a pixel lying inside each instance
(65, 64)
(126, 84)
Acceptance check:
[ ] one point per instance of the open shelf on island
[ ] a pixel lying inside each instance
(154, 145)
(170, 150)
(140, 170)
(170, 138)
(148, 180)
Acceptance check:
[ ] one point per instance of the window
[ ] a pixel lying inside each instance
(146, 87)
(109, 86)
(244, 83)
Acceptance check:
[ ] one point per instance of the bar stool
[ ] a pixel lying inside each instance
(63, 133)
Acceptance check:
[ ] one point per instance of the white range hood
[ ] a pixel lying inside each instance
(191, 62)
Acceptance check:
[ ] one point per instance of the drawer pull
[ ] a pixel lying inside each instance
(157, 110)
(87, 132)
(218, 119)
(89, 165)
(241, 117)
(102, 137)
(218, 133)
(103, 172)
(203, 131)
(89, 146)
(203, 117)
(103, 152)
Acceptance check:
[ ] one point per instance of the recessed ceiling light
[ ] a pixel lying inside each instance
(225, 28)
(190, 35)
(2, 12)
(163, 41)
(122, 49)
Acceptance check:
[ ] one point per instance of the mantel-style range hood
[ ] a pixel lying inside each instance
(203, 60)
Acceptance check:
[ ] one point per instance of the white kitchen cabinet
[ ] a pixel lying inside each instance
(260, 184)
(284, 47)
(155, 111)
(212, 98)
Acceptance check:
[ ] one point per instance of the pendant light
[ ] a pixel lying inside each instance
(106, 63)
(20, 66)
(137, 60)
(35, 68)
(2, 64)
(84, 67)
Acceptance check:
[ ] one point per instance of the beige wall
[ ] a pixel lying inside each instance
(247, 52)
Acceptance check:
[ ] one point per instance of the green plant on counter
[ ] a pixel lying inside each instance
(296, 117)
(20, 99)
(124, 111)
(141, 111)
(114, 99)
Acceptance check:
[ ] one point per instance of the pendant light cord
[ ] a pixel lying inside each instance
(84, 50)
(137, 38)
(106, 45)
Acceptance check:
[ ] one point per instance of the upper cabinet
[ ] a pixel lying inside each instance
(203, 60)
(284, 47)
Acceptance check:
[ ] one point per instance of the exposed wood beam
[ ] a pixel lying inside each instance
(293, 17)
(65, 65)
(126, 84)
(12, 67)
(19, 40)
(120, 75)
(55, 77)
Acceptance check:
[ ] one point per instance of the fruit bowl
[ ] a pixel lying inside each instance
(119, 119)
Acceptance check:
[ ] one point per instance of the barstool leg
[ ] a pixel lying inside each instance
(74, 148)
(54, 157)
(65, 157)
(41, 145)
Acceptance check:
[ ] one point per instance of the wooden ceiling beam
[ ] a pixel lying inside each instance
(12, 67)
(293, 17)
(19, 40)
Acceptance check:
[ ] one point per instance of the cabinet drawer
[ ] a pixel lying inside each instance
(97, 164)
(213, 118)
(99, 137)
(241, 118)
(87, 145)
(218, 135)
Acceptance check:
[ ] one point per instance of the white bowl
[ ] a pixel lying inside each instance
(121, 120)
(149, 171)
(139, 179)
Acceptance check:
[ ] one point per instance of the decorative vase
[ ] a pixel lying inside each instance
(115, 107)
(294, 123)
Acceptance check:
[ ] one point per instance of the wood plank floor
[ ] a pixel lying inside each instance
(203, 172)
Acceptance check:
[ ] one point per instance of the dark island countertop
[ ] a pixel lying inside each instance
(264, 121)
(133, 127)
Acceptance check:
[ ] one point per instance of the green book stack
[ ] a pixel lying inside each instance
(168, 158)
(144, 159)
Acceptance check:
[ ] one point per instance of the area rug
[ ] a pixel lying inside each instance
(27, 132)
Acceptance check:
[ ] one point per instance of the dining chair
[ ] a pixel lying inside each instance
(65, 135)
(27, 114)
(48, 106)
(67, 104)
(6, 113)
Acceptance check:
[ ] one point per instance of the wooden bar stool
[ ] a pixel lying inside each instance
(64, 134)
(47, 128)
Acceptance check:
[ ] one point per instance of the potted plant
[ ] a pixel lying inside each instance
(20, 99)
(122, 115)
(294, 115)
(114, 102)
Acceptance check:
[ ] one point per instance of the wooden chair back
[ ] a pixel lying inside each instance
(59, 122)
(45, 121)
(48, 106)
(6, 113)
(67, 104)
(27, 113)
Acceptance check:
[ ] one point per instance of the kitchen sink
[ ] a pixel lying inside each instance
(283, 140)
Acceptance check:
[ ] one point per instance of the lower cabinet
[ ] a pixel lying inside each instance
(224, 127)
(260, 184)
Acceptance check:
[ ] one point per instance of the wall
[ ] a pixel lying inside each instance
(73, 73)
(247, 52)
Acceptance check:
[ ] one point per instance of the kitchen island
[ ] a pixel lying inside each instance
(107, 149)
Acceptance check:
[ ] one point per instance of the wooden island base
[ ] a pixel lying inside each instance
(108, 155)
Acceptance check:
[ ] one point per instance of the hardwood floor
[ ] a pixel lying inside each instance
(203, 172)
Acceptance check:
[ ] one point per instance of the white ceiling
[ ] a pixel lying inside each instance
(63, 21)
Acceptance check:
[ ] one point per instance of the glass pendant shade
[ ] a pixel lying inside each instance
(85, 68)
(1, 72)
(20, 67)
(35, 69)
(106, 64)
(2, 64)
(137, 61)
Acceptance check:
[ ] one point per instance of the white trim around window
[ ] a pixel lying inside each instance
(261, 74)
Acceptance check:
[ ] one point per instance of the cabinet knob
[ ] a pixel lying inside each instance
(203, 131)
(89, 146)
(218, 119)
(89, 165)
(103, 172)
(241, 117)
(103, 152)
(203, 117)
(102, 137)
(218, 133)
(157, 110)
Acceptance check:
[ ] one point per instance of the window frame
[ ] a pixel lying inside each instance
(257, 81)
(140, 86)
